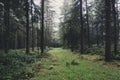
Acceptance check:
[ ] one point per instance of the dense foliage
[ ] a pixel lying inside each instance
(98, 31)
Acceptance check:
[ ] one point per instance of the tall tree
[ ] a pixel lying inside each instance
(42, 27)
(108, 30)
(27, 27)
(115, 26)
(82, 29)
(32, 25)
(88, 27)
(7, 24)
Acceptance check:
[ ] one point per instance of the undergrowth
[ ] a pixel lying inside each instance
(15, 65)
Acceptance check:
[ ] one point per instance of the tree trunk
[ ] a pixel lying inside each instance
(82, 34)
(108, 31)
(88, 27)
(42, 27)
(117, 23)
(6, 23)
(32, 26)
(27, 27)
(115, 27)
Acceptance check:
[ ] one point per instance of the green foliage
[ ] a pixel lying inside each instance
(117, 57)
(100, 50)
(13, 65)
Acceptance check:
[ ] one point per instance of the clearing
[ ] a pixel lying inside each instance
(64, 65)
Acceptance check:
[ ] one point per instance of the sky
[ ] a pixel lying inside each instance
(56, 4)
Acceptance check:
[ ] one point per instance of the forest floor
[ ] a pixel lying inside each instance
(62, 64)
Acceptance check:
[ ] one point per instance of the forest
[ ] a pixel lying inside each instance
(59, 39)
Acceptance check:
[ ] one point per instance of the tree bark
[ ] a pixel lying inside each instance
(81, 31)
(115, 27)
(108, 31)
(32, 26)
(7, 24)
(42, 27)
(27, 28)
(88, 27)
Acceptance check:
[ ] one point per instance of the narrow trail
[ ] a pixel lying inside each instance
(64, 65)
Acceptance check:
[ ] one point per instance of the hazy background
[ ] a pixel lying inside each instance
(56, 6)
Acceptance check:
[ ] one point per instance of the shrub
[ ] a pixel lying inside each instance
(95, 50)
(13, 64)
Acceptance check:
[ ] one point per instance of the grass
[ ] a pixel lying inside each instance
(58, 67)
